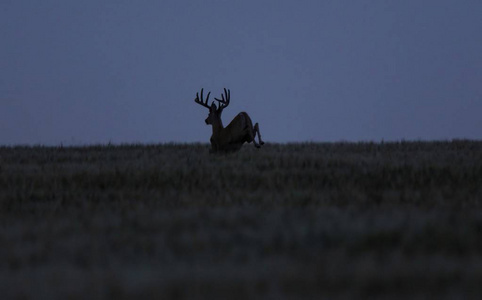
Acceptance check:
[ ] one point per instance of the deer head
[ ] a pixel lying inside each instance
(214, 111)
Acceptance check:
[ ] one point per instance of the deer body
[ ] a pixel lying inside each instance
(232, 137)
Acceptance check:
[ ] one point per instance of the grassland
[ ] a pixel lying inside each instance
(288, 221)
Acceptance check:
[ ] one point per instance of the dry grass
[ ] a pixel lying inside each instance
(351, 220)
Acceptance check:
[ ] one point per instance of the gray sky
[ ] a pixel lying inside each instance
(83, 72)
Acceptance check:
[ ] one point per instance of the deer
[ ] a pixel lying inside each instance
(232, 137)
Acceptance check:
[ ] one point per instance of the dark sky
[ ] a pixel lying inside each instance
(83, 72)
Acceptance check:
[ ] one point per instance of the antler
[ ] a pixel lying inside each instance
(201, 101)
(224, 101)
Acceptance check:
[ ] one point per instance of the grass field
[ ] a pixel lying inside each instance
(288, 221)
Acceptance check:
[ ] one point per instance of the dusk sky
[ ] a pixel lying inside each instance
(90, 72)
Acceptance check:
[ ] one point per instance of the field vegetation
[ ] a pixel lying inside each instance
(288, 221)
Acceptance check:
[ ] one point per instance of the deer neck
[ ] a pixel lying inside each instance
(217, 126)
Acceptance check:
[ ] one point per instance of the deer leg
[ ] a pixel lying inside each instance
(256, 130)
(251, 135)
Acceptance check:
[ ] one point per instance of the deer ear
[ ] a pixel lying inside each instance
(213, 106)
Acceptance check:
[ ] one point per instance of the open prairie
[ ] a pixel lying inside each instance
(288, 221)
